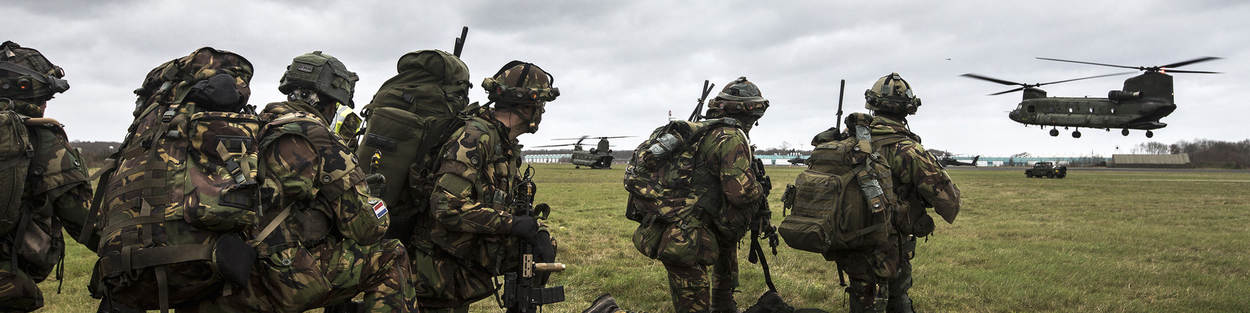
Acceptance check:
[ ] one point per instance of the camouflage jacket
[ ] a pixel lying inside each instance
(725, 155)
(62, 189)
(471, 204)
(308, 167)
(919, 180)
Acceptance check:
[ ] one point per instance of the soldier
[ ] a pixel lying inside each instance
(733, 193)
(321, 196)
(45, 181)
(919, 181)
(474, 235)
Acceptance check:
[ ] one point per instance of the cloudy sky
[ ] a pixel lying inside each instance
(623, 65)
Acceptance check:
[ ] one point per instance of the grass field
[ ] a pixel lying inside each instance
(1097, 241)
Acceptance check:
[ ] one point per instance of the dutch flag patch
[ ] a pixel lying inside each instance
(379, 207)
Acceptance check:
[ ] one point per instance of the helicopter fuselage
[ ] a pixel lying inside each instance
(1143, 101)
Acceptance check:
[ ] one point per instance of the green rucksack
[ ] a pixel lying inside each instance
(181, 192)
(410, 117)
(15, 152)
(845, 199)
(659, 179)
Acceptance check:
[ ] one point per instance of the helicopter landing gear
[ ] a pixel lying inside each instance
(1054, 132)
(1076, 134)
(1150, 134)
(1124, 132)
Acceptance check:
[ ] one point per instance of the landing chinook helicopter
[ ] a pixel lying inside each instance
(599, 157)
(1140, 104)
(949, 160)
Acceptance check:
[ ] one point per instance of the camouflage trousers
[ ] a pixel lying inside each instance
(879, 280)
(443, 284)
(688, 284)
(295, 280)
(18, 291)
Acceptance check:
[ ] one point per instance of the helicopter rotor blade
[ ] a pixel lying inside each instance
(612, 137)
(559, 145)
(1190, 72)
(1009, 91)
(1083, 78)
(991, 79)
(1184, 63)
(1091, 63)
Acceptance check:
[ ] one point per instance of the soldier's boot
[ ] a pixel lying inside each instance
(723, 301)
(865, 297)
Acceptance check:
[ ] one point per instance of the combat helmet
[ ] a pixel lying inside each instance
(27, 76)
(891, 94)
(738, 97)
(322, 73)
(520, 83)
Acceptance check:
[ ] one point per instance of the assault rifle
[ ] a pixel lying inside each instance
(523, 291)
(761, 227)
(707, 88)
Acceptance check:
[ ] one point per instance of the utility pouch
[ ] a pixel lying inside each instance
(294, 279)
(234, 259)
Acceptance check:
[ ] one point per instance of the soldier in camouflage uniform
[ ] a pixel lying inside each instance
(734, 192)
(473, 235)
(332, 234)
(56, 191)
(919, 181)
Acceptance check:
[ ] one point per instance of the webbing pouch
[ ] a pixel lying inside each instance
(234, 259)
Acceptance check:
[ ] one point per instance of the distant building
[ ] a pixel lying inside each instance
(1150, 160)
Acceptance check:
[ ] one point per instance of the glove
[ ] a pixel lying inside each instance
(377, 184)
(544, 251)
(525, 227)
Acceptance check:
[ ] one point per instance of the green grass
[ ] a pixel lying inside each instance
(1103, 241)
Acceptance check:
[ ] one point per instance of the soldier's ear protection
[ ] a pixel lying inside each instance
(498, 90)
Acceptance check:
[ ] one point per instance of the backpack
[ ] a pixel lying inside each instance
(181, 191)
(845, 199)
(660, 181)
(16, 151)
(410, 118)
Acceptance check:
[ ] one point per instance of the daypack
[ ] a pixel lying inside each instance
(410, 117)
(845, 199)
(660, 181)
(181, 192)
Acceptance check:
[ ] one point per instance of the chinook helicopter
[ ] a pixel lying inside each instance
(1140, 104)
(599, 157)
(949, 160)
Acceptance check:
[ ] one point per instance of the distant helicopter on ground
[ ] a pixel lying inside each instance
(951, 161)
(599, 157)
(1140, 104)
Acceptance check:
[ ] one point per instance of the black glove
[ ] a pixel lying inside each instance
(525, 227)
(544, 251)
(377, 184)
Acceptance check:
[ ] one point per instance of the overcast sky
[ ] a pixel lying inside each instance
(621, 66)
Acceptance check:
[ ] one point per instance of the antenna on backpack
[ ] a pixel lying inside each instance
(464, 33)
(707, 88)
(841, 89)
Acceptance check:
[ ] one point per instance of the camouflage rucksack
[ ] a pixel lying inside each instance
(410, 117)
(16, 151)
(181, 191)
(845, 199)
(659, 179)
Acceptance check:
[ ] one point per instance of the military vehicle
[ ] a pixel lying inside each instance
(949, 160)
(599, 157)
(1144, 100)
(1046, 169)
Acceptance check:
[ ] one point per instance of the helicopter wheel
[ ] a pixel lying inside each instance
(1054, 132)
(1076, 134)
(1150, 134)
(1124, 132)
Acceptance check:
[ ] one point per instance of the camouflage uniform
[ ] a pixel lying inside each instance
(920, 182)
(473, 234)
(55, 196)
(471, 216)
(729, 194)
(727, 154)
